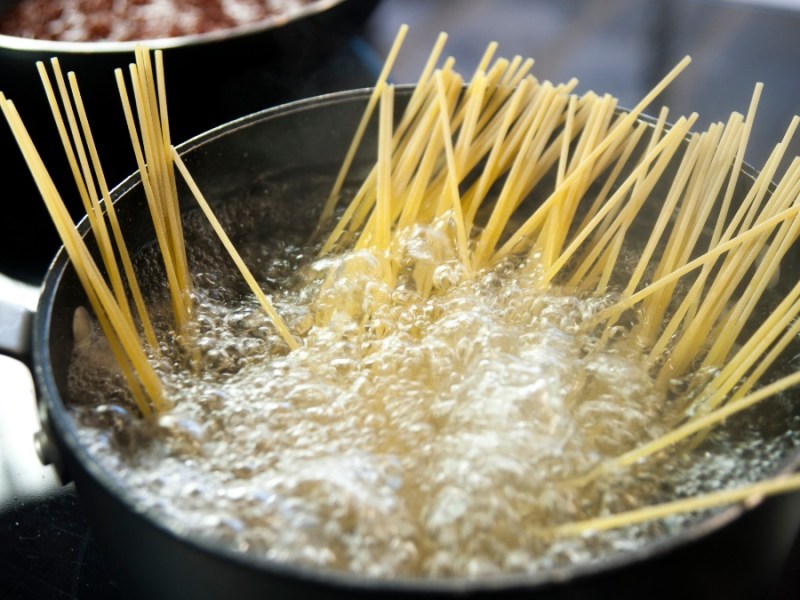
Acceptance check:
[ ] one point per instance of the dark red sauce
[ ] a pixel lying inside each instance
(126, 20)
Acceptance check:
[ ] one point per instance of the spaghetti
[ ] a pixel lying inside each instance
(496, 181)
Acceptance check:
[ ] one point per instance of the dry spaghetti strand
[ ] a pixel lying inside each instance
(265, 302)
(780, 485)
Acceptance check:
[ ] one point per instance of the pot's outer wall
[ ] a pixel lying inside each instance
(153, 562)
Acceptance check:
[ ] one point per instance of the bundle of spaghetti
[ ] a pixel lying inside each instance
(114, 319)
(426, 169)
(151, 146)
(466, 156)
(86, 176)
(734, 385)
(112, 309)
(503, 124)
(156, 159)
(110, 300)
(704, 327)
(504, 131)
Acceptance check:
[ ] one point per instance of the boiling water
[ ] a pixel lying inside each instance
(409, 436)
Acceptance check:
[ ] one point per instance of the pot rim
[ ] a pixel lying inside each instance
(67, 437)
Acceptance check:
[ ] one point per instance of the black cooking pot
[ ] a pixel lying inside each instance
(738, 550)
(295, 55)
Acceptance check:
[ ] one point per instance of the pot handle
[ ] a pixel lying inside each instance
(17, 304)
(25, 476)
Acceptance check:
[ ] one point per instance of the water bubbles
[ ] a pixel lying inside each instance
(379, 327)
(426, 426)
(447, 275)
(120, 423)
(492, 280)
(182, 434)
(425, 245)
(360, 265)
(447, 507)
(403, 296)
(517, 561)
(243, 319)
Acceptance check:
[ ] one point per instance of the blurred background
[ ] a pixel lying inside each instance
(623, 47)
(617, 46)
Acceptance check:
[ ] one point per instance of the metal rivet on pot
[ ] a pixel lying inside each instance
(44, 448)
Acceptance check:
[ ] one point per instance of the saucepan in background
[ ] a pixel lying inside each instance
(211, 78)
